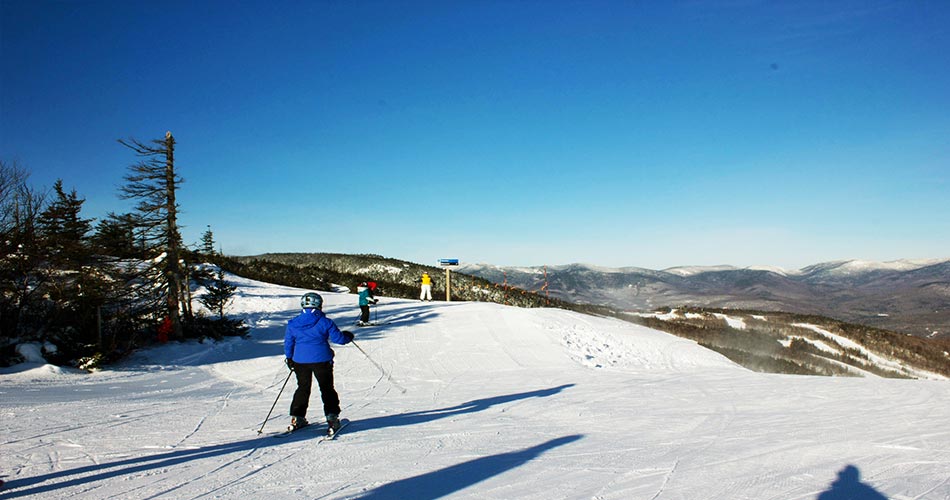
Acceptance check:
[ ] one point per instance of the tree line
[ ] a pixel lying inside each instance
(396, 278)
(89, 293)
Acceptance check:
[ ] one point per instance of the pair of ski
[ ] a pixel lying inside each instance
(326, 437)
(372, 323)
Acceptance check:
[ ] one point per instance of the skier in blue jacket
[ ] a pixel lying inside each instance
(308, 353)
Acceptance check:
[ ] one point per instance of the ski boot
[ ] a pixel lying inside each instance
(333, 424)
(297, 423)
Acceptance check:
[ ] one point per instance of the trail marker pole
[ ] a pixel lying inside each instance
(447, 264)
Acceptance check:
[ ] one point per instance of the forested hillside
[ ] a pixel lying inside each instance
(804, 344)
(396, 278)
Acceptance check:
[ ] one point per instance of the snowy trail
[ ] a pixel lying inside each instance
(500, 403)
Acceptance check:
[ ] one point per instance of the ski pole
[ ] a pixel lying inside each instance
(380, 368)
(275, 401)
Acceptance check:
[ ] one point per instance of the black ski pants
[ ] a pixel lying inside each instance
(306, 372)
(364, 314)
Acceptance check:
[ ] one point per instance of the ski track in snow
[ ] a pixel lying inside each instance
(501, 403)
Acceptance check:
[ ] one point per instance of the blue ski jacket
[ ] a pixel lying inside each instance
(308, 336)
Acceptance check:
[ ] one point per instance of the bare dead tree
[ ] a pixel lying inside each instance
(21, 258)
(153, 183)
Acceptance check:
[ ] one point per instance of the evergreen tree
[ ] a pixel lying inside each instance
(219, 294)
(78, 285)
(64, 232)
(115, 237)
(153, 182)
(207, 243)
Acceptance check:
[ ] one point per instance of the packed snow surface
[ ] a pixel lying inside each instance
(499, 403)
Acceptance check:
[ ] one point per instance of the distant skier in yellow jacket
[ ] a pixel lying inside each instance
(426, 292)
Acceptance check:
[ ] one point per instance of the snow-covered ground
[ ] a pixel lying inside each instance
(500, 403)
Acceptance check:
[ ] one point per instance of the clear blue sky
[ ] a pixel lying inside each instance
(627, 133)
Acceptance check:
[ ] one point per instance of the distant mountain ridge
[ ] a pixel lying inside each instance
(908, 296)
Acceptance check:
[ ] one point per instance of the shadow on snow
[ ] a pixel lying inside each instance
(393, 317)
(268, 340)
(437, 484)
(848, 486)
(444, 480)
(419, 417)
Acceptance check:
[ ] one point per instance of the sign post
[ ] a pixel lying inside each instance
(448, 264)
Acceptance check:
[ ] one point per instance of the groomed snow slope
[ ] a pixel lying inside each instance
(499, 402)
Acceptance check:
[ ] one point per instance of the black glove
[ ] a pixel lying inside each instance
(348, 335)
(290, 363)
(375, 301)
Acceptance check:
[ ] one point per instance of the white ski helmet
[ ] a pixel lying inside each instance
(311, 300)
